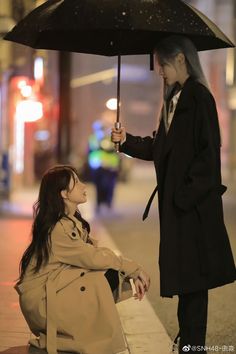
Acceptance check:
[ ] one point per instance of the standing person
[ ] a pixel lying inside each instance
(104, 165)
(65, 297)
(195, 253)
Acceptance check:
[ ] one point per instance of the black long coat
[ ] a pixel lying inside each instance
(195, 253)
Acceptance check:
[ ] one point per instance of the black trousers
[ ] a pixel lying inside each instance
(192, 317)
(112, 278)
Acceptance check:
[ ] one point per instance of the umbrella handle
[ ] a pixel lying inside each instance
(117, 123)
(117, 126)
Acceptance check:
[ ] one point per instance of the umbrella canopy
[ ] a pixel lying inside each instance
(119, 27)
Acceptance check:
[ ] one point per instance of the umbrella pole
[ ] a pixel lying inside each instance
(117, 123)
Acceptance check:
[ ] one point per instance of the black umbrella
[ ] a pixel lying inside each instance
(114, 27)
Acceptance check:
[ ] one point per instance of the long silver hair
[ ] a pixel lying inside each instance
(169, 47)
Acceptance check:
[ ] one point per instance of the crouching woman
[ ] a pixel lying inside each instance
(67, 286)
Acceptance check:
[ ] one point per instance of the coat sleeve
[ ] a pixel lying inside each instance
(200, 178)
(138, 147)
(77, 253)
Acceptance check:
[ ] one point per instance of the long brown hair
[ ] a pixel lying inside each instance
(48, 210)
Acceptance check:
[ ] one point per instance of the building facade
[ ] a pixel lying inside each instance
(28, 105)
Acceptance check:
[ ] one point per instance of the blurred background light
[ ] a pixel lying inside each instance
(42, 135)
(18, 149)
(21, 84)
(26, 91)
(230, 66)
(29, 110)
(38, 69)
(112, 104)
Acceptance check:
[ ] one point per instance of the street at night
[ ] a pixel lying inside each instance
(112, 111)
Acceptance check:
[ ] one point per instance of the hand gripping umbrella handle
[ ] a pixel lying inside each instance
(117, 126)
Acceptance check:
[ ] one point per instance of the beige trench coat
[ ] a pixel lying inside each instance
(68, 304)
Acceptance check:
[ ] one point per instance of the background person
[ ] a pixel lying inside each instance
(104, 164)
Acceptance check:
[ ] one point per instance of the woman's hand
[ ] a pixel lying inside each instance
(145, 279)
(118, 135)
(139, 288)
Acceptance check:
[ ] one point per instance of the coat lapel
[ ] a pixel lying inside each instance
(160, 140)
(181, 107)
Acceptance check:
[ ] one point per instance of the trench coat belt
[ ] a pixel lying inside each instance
(51, 341)
(149, 203)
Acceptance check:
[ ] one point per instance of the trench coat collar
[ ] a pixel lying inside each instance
(73, 227)
(184, 103)
(71, 220)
